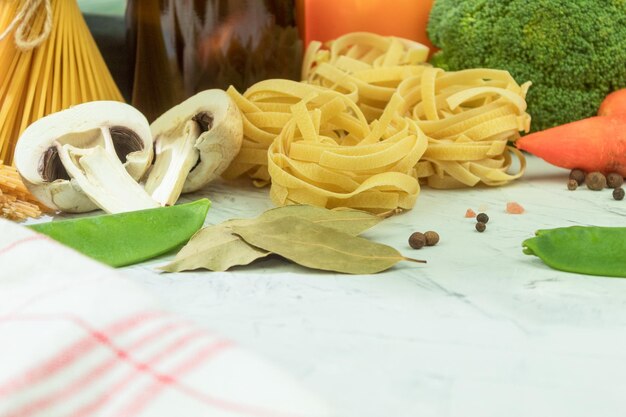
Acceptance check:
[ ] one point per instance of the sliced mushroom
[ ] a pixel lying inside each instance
(87, 157)
(195, 142)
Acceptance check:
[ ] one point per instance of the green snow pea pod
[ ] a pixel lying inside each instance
(128, 238)
(584, 250)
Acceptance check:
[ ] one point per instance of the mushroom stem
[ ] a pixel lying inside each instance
(108, 140)
(175, 158)
(103, 179)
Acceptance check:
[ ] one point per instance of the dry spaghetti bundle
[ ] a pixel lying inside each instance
(16, 202)
(48, 62)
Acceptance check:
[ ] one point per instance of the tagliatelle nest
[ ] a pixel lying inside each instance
(372, 120)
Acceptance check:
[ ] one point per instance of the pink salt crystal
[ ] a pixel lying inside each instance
(470, 213)
(514, 208)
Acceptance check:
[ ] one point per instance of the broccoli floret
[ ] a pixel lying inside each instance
(574, 51)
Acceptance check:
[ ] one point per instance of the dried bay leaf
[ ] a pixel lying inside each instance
(319, 247)
(353, 222)
(214, 248)
(217, 249)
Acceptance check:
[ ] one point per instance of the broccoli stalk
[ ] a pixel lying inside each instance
(574, 51)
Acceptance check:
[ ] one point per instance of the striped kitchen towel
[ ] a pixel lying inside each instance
(79, 340)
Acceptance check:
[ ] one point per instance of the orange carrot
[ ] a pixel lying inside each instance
(593, 144)
(614, 104)
(324, 20)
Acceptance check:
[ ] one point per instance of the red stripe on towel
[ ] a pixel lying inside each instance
(50, 367)
(89, 377)
(139, 368)
(148, 395)
(20, 242)
(71, 354)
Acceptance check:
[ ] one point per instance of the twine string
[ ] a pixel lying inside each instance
(23, 21)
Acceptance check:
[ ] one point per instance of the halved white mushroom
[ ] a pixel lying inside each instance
(87, 157)
(194, 142)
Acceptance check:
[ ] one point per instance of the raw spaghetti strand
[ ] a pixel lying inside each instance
(48, 62)
(16, 202)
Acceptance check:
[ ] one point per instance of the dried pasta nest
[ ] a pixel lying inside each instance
(16, 202)
(372, 120)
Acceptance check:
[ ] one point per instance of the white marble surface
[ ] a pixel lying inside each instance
(481, 330)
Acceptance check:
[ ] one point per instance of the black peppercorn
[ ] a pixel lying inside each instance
(572, 184)
(480, 226)
(417, 240)
(577, 175)
(595, 181)
(618, 193)
(482, 218)
(614, 180)
(432, 238)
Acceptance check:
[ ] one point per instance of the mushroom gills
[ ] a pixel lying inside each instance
(175, 158)
(50, 166)
(125, 141)
(102, 177)
(204, 121)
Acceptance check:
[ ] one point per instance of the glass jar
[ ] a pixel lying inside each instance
(180, 47)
